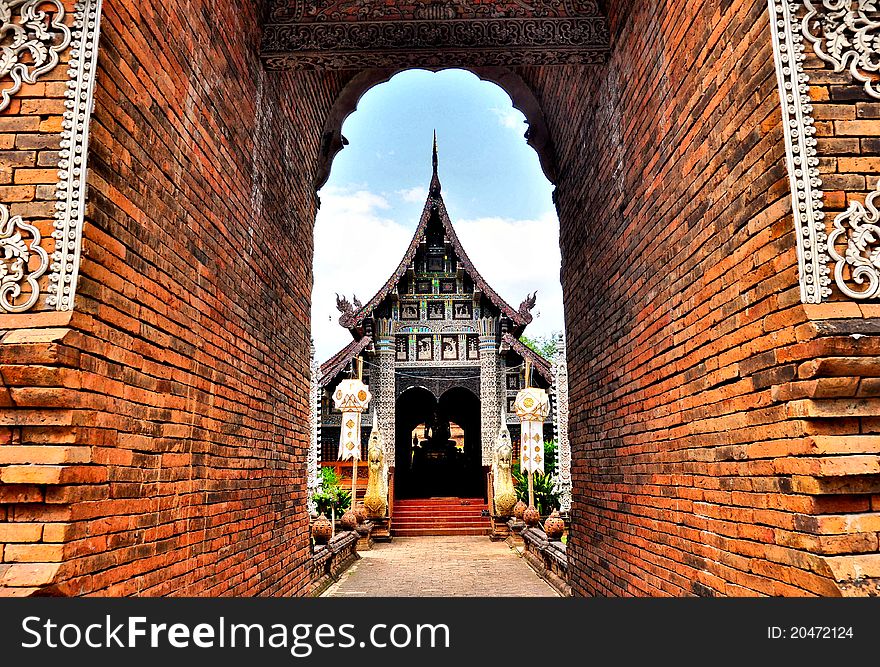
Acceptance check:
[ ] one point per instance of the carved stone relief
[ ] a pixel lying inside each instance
(33, 38)
(800, 150)
(846, 34)
(563, 445)
(23, 262)
(354, 34)
(858, 260)
(71, 191)
(33, 34)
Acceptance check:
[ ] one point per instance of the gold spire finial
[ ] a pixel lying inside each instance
(435, 188)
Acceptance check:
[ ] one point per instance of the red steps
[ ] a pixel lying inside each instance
(440, 516)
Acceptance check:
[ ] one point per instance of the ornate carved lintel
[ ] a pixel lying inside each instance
(353, 34)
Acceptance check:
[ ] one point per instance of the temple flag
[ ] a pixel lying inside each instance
(352, 398)
(532, 407)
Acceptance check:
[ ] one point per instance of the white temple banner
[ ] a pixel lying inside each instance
(532, 407)
(352, 398)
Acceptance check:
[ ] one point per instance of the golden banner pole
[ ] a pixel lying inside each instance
(531, 472)
(354, 460)
(531, 488)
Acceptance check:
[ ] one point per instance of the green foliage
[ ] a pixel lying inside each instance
(545, 499)
(332, 496)
(546, 346)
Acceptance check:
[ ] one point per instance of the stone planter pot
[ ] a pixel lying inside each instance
(322, 530)
(554, 526)
(519, 509)
(531, 516)
(361, 513)
(349, 520)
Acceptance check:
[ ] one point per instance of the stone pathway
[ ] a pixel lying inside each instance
(440, 567)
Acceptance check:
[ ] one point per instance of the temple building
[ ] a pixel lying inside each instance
(440, 350)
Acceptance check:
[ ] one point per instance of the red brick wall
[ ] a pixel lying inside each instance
(159, 437)
(697, 470)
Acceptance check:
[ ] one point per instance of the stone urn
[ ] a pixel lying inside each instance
(322, 530)
(531, 516)
(519, 509)
(554, 526)
(361, 513)
(349, 520)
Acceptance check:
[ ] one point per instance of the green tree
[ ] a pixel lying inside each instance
(546, 346)
(332, 497)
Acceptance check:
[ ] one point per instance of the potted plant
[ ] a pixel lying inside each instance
(332, 500)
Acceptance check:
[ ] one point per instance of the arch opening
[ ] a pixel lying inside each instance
(440, 337)
(521, 96)
(438, 444)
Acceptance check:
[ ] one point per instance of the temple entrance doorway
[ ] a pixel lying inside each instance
(438, 444)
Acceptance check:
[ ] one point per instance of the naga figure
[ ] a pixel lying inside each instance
(376, 498)
(525, 308)
(502, 481)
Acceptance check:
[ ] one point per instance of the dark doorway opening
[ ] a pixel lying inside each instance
(431, 460)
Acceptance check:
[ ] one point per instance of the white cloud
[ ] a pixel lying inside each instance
(510, 118)
(356, 250)
(518, 257)
(416, 195)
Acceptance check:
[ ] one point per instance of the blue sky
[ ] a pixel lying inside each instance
(497, 196)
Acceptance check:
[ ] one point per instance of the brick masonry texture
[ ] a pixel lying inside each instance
(725, 436)
(724, 443)
(158, 437)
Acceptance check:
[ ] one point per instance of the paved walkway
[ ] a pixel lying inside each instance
(440, 567)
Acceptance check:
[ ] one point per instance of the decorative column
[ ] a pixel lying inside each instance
(384, 386)
(489, 408)
(560, 423)
(313, 483)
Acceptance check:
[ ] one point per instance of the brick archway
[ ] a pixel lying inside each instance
(724, 419)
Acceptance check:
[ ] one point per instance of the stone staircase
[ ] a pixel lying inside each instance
(440, 516)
